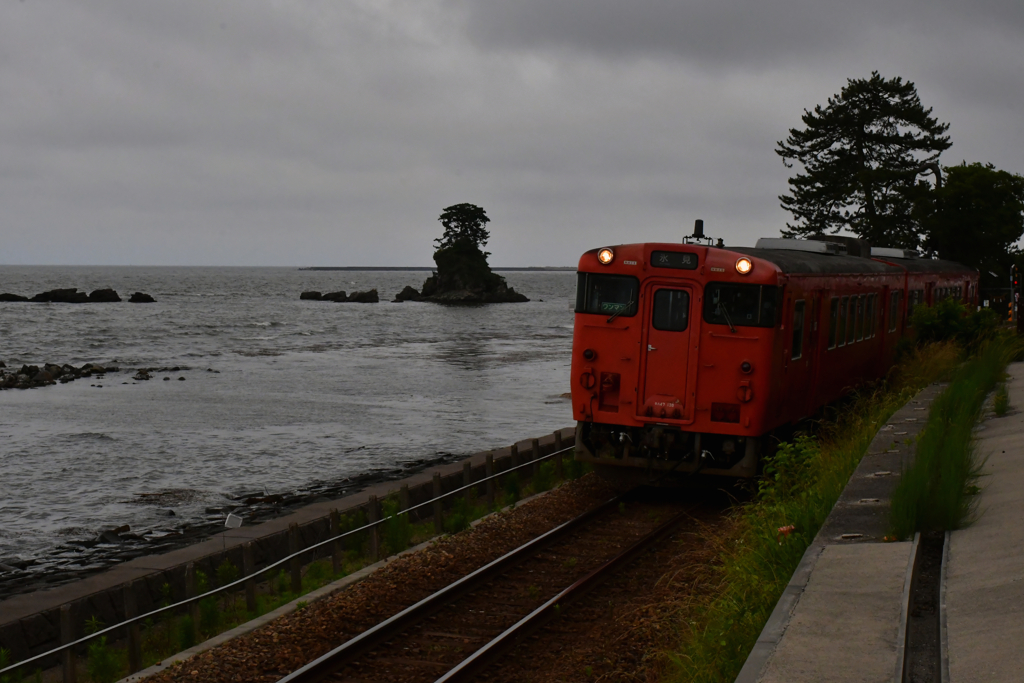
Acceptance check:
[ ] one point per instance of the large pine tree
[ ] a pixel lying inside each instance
(864, 156)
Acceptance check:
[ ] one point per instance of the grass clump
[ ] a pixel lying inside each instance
(936, 493)
(397, 529)
(1001, 403)
(769, 534)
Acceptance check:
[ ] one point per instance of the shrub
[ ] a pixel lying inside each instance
(186, 633)
(1001, 403)
(397, 529)
(545, 477)
(209, 615)
(103, 665)
(950, 320)
(513, 489)
(458, 517)
(226, 573)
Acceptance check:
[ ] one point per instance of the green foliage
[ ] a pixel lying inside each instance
(209, 615)
(301, 605)
(280, 582)
(950, 320)
(976, 218)
(458, 517)
(397, 529)
(202, 582)
(803, 479)
(5, 661)
(463, 223)
(317, 574)
(103, 665)
(513, 489)
(1001, 402)
(789, 471)
(226, 573)
(934, 493)
(186, 633)
(574, 469)
(545, 477)
(863, 155)
(93, 624)
(354, 520)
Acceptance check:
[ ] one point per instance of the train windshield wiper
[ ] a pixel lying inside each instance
(725, 314)
(619, 312)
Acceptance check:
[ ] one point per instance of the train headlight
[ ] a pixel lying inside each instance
(605, 256)
(744, 266)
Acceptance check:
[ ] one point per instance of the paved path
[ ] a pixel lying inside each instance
(985, 571)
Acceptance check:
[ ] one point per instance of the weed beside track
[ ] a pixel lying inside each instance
(770, 533)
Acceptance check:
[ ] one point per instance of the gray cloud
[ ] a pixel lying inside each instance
(281, 133)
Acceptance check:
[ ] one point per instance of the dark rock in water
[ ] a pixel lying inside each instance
(336, 297)
(110, 537)
(370, 297)
(463, 277)
(61, 296)
(312, 296)
(142, 375)
(12, 297)
(104, 296)
(3, 364)
(181, 379)
(141, 298)
(407, 294)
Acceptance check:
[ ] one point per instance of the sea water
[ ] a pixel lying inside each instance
(277, 392)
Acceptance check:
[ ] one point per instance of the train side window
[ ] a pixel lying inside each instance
(860, 318)
(738, 305)
(894, 309)
(914, 298)
(842, 321)
(869, 317)
(851, 320)
(798, 329)
(833, 321)
(671, 310)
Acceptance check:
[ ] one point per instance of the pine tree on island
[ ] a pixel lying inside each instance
(463, 275)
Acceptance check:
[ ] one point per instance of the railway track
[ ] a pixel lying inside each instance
(457, 632)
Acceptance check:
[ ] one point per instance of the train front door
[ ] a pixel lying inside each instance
(666, 351)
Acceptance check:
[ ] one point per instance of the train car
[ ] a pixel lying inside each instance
(687, 357)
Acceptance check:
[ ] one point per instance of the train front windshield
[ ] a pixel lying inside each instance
(726, 303)
(606, 294)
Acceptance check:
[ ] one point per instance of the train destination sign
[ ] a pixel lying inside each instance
(674, 259)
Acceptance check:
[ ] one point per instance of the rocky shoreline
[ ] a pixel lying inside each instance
(79, 558)
(34, 376)
(73, 296)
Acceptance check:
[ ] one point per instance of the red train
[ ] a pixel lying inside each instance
(686, 356)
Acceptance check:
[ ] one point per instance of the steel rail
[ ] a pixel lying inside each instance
(328, 663)
(242, 581)
(473, 665)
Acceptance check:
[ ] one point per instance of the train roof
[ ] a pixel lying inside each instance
(825, 264)
(835, 264)
(933, 265)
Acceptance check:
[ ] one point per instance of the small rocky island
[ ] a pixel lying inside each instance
(463, 275)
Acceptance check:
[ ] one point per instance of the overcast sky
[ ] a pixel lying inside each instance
(335, 132)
